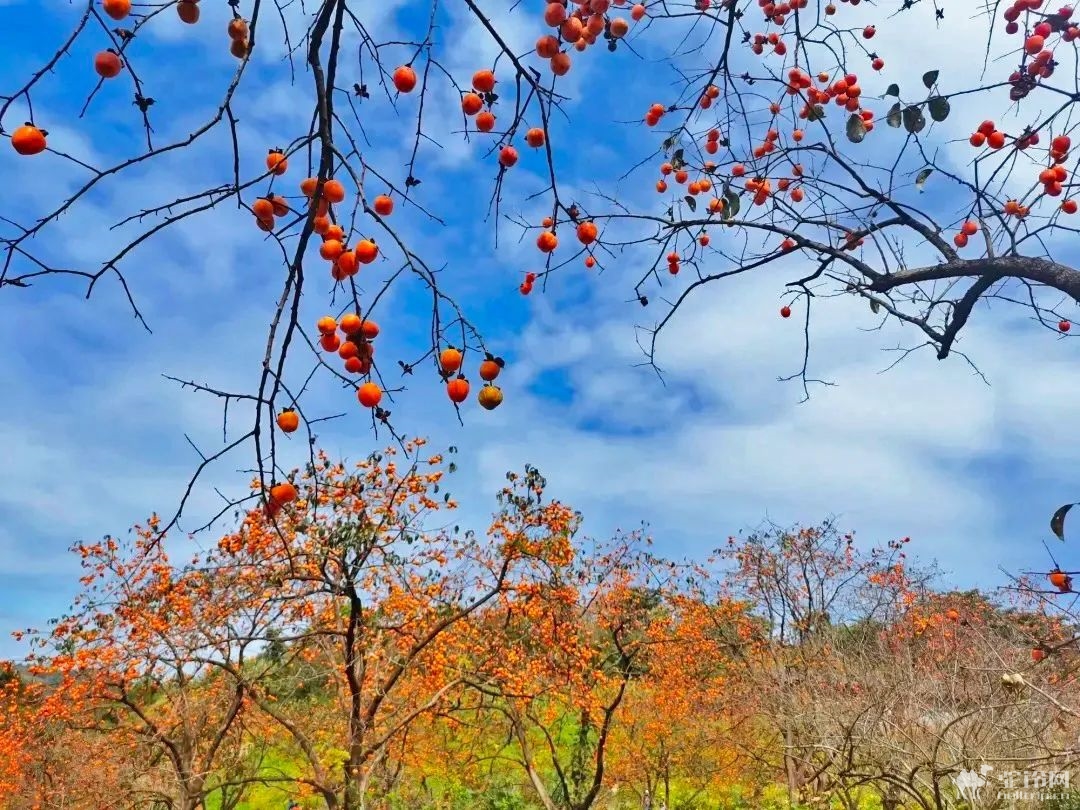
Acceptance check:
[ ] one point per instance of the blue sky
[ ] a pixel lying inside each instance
(93, 438)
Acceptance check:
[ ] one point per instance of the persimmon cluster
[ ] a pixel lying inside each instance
(587, 233)
(490, 396)
(355, 347)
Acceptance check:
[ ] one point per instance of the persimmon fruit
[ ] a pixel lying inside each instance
(450, 360)
(458, 390)
(404, 79)
(490, 397)
(288, 421)
(369, 395)
(28, 139)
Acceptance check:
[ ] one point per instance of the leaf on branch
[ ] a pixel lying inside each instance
(816, 113)
(892, 118)
(1057, 522)
(668, 143)
(939, 108)
(856, 128)
(691, 202)
(929, 78)
(678, 160)
(893, 90)
(920, 178)
(875, 307)
(914, 122)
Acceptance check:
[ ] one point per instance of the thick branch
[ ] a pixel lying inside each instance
(1041, 271)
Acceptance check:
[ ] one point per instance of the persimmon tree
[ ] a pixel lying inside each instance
(560, 653)
(788, 139)
(135, 670)
(685, 719)
(375, 598)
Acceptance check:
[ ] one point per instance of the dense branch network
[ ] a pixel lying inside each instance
(770, 154)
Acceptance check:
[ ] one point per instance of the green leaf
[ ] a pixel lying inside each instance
(893, 90)
(939, 108)
(914, 121)
(920, 179)
(1057, 522)
(892, 118)
(856, 128)
(691, 202)
(929, 78)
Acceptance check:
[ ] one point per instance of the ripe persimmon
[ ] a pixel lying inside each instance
(547, 242)
(283, 493)
(458, 390)
(450, 360)
(334, 191)
(117, 9)
(485, 121)
(1060, 580)
(240, 48)
(331, 249)
(188, 11)
(276, 162)
(490, 397)
(28, 139)
(327, 325)
(334, 232)
(107, 64)
(547, 46)
(321, 225)
(637, 12)
(330, 342)
(383, 205)
(483, 81)
(490, 368)
(366, 251)
(263, 209)
(619, 28)
(238, 29)
(281, 206)
(288, 420)
(587, 233)
(560, 63)
(308, 186)
(346, 264)
(404, 79)
(369, 330)
(471, 103)
(535, 137)
(350, 323)
(508, 156)
(369, 394)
